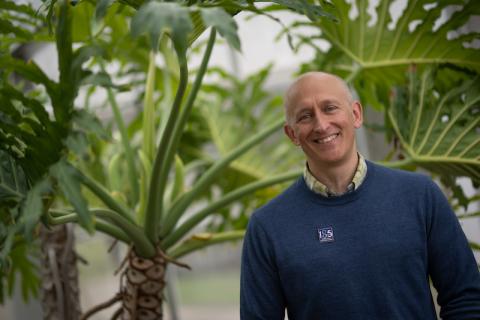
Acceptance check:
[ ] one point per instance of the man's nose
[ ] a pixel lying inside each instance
(320, 124)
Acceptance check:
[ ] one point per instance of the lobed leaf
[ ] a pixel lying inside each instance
(374, 53)
(438, 122)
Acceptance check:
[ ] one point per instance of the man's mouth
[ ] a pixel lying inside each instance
(327, 139)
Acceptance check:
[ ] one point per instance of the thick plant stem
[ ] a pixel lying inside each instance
(207, 178)
(127, 149)
(159, 177)
(143, 282)
(60, 291)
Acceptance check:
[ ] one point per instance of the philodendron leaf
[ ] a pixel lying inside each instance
(70, 186)
(224, 23)
(437, 121)
(373, 49)
(155, 18)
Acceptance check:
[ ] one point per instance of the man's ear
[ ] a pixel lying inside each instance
(290, 134)
(357, 114)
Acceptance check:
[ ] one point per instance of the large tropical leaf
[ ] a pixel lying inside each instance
(437, 119)
(376, 52)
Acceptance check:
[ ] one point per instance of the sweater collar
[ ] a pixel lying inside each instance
(319, 188)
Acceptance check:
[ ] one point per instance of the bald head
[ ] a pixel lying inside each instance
(311, 79)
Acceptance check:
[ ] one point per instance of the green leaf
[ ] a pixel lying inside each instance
(89, 123)
(375, 55)
(6, 27)
(224, 23)
(103, 79)
(28, 270)
(69, 184)
(77, 142)
(155, 18)
(20, 8)
(101, 8)
(178, 185)
(312, 11)
(13, 184)
(30, 71)
(33, 207)
(436, 118)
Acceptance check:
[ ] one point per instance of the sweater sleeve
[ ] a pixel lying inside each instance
(452, 266)
(261, 296)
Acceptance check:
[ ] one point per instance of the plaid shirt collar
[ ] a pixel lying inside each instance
(318, 187)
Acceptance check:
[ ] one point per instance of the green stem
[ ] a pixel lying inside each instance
(132, 174)
(104, 195)
(469, 215)
(208, 177)
(159, 176)
(204, 240)
(396, 164)
(101, 226)
(356, 70)
(149, 110)
(188, 225)
(177, 132)
(141, 243)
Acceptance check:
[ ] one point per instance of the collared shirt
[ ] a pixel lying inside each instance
(318, 187)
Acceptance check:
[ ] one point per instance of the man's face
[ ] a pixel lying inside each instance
(322, 120)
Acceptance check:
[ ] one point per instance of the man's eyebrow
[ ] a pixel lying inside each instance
(302, 110)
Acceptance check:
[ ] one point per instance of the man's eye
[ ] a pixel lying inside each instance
(330, 107)
(304, 117)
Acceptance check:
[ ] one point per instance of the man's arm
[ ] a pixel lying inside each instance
(261, 296)
(452, 266)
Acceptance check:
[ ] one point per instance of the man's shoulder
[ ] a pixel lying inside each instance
(394, 176)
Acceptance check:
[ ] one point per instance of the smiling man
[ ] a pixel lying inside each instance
(351, 239)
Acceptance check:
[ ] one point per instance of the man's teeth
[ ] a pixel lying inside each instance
(327, 139)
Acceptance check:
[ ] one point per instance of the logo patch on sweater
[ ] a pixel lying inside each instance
(326, 234)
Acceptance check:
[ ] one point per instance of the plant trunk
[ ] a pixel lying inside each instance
(143, 281)
(60, 292)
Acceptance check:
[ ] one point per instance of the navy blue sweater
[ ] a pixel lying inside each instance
(368, 254)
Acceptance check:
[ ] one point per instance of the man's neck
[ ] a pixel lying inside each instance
(336, 176)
